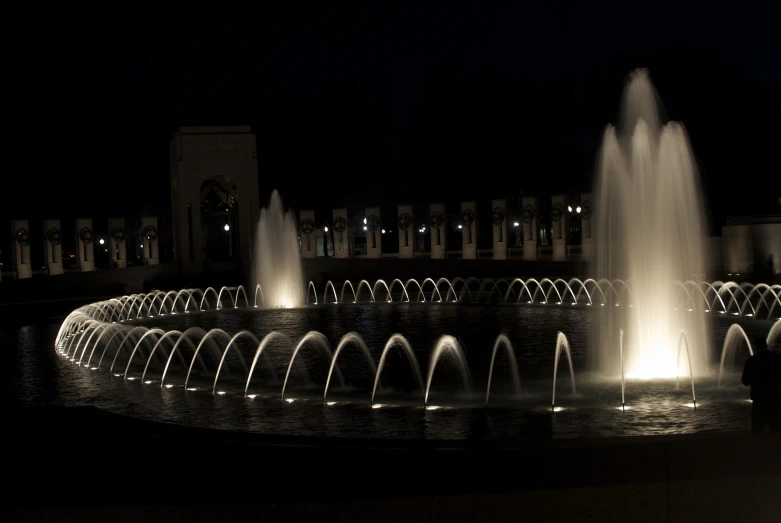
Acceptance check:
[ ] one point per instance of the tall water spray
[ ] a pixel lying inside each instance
(649, 230)
(277, 256)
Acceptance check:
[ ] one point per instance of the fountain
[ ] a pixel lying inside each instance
(278, 257)
(649, 231)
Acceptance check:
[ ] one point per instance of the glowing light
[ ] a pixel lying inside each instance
(101, 241)
(147, 382)
(558, 409)
(252, 396)
(364, 221)
(331, 403)
(433, 407)
(383, 231)
(692, 405)
(221, 392)
(364, 227)
(460, 227)
(130, 378)
(516, 224)
(168, 386)
(290, 400)
(227, 227)
(191, 388)
(326, 229)
(624, 407)
(569, 208)
(377, 406)
(577, 209)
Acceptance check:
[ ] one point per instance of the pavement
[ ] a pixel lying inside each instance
(83, 464)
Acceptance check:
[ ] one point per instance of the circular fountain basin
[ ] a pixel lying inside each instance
(332, 389)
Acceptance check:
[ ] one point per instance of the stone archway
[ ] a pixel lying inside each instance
(219, 209)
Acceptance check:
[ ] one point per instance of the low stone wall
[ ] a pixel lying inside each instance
(320, 270)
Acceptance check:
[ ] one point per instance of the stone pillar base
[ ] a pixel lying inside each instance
(119, 264)
(438, 252)
(55, 269)
(530, 251)
(469, 251)
(152, 261)
(24, 271)
(587, 248)
(87, 266)
(341, 253)
(560, 250)
(500, 251)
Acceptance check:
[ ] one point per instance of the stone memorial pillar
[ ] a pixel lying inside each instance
(469, 230)
(373, 233)
(560, 226)
(406, 232)
(438, 231)
(20, 242)
(52, 247)
(500, 229)
(117, 242)
(149, 240)
(341, 234)
(531, 226)
(586, 223)
(85, 250)
(306, 226)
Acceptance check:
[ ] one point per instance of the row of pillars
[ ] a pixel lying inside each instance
(503, 224)
(85, 245)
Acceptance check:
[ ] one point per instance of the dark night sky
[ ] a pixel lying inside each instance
(399, 101)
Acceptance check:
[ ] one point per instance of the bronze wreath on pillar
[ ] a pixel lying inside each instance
(53, 235)
(405, 220)
(23, 236)
(467, 219)
(497, 217)
(437, 219)
(528, 214)
(585, 210)
(85, 235)
(150, 233)
(307, 226)
(557, 212)
(118, 234)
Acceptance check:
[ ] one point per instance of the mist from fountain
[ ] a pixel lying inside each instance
(649, 230)
(277, 266)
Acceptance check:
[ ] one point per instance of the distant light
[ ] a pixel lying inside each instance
(569, 208)
(364, 221)
(227, 227)
(142, 246)
(577, 209)
(364, 227)
(516, 224)
(102, 241)
(326, 229)
(383, 231)
(460, 226)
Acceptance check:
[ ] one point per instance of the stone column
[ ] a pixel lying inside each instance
(85, 250)
(52, 247)
(560, 228)
(500, 229)
(438, 231)
(587, 239)
(117, 241)
(341, 234)
(469, 230)
(306, 226)
(406, 232)
(149, 238)
(20, 241)
(373, 233)
(531, 226)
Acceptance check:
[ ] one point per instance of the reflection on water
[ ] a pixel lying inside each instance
(35, 376)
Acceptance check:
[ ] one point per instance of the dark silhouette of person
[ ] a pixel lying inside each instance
(763, 373)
